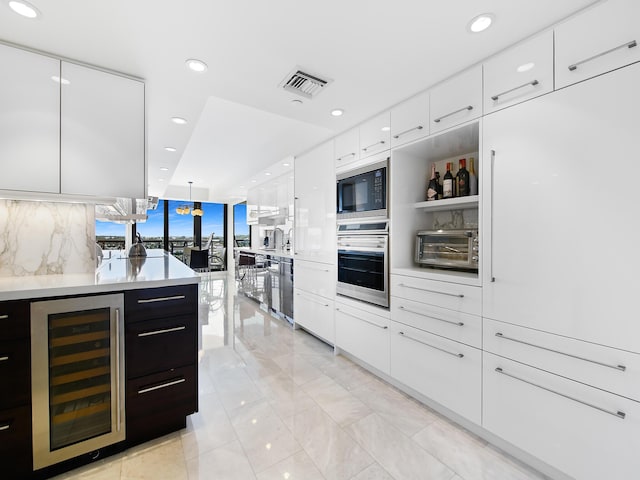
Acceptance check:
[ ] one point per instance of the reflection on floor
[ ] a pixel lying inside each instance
(277, 404)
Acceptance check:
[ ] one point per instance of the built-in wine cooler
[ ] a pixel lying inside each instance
(77, 376)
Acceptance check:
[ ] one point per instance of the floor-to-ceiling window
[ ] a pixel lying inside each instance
(241, 231)
(152, 231)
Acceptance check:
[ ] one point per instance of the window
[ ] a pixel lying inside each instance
(152, 231)
(241, 231)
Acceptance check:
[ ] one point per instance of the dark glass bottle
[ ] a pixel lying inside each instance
(439, 184)
(432, 188)
(448, 185)
(462, 179)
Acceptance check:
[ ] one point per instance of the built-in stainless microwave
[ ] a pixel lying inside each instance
(362, 193)
(455, 249)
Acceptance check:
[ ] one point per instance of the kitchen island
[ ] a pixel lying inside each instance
(95, 363)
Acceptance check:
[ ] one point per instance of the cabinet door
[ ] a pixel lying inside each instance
(317, 278)
(315, 205)
(347, 147)
(443, 370)
(410, 120)
(598, 40)
(457, 100)
(559, 229)
(519, 74)
(375, 135)
(102, 134)
(582, 431)
(314, 314)
(363, 335)
(29, 121)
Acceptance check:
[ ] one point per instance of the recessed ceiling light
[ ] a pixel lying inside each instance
(161, 179)
(253, 181)
(178, 120)
(480, 23)
(296, 102)
(337, 112)
(267, 173)
(61, 80)
(164, 169)
(24, 8)
(385, 129)
(170, 149)
(196, 65)
(286, 164)
(525, 67)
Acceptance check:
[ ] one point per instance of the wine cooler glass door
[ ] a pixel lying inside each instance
(76, 381)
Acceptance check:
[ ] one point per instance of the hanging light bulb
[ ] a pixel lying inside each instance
(197, 212)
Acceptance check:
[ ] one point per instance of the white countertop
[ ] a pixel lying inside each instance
(260, 251)
(158, 269)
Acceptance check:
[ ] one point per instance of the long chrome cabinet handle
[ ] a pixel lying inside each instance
(622, 368)
(617, 414)
(4, 317)
(398, 135)
(117, 353)
(161, 299)
(457, 324)
(459, 355)
(468, 107)
(313, 300)
(4, 427)
(383, 327)
(532, 83)
(352, 154)
(159, 332)
(493, 163)
(313, 268)
(630, 44)
(459, 295)
(381, 142)
(4, 358)
(163, 385)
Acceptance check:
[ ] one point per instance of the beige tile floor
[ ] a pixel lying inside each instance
(276, 404)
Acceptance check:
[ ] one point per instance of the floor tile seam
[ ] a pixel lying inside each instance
(244, 453)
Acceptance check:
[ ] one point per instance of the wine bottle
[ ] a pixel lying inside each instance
(473, 178)
(432, 188)
(462, 178)
(439, 184)
(448, 184)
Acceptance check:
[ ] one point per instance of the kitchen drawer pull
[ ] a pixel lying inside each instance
(4, 358)
(383, 327)
(4, 317)
(532, 83)
(4, 427)
(630, 44)
(457, 324)
(161, 299)
(380, 142)
(313, 268)
(159, 332)
(459, 295)
(398, 135)
(617, 414)
(622, 368)
(162, 385)
(313, 300)
(459, 355)
(345, 156)
(468, 107)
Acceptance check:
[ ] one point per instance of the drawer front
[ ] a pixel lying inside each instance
(569, 425)
(347, 148)
(314, 313)
(613, 370)
(455, 325)
(445, 371)
(157, 345)
(410, 120)
(317, 278)
(519, 74)
(364, 335)
(161, 302)
(457, 100)
(15, 442)
(15, 373)
(597, 41)
(454, 296)
(14, 320)
(375, 135)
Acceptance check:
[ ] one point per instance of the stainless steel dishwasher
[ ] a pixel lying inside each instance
(272, 283)
(286, 287)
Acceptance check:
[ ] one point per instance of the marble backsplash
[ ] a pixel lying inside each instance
(41, 238)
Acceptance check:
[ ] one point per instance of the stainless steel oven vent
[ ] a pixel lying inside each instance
(303, 83)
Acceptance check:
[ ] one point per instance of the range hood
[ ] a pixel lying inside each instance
(126, 210)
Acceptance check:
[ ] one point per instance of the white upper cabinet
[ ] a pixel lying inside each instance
(598, 40)
(410, 119)
(519, 74)
(102, 134)
(375, 135)
(457, 100)
(347, 147)
(29, 121)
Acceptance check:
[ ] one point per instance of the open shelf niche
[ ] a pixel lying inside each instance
(411, 213)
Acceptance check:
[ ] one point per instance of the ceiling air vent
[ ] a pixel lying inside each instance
(303, 83)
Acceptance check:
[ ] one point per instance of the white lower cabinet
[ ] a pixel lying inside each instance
(315, 314)
(454, 296)
(582, 431)
(363, 335)
(315, 277)
(446, 371)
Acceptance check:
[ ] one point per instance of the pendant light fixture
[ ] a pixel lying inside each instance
(185, 209)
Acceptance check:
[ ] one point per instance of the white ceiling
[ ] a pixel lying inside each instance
(241, 124)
